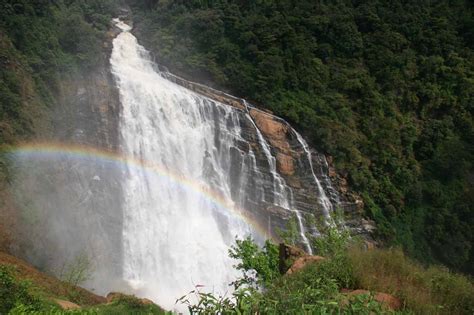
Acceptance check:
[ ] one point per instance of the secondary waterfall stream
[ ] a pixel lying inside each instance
(180, 219)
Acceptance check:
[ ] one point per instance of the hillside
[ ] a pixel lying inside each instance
(119, 176)
(384, 87)
(26, 290)
(47, 50)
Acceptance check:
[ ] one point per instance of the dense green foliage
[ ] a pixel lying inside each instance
(386, 87)
(263, 261)
(14, 293)
(40, 42)
(317, 288)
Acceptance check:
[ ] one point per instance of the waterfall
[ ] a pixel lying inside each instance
(210, 174)
(279, 185)
(323, 198)
(175, 235)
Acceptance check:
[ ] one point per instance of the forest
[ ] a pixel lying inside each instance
(385, 87)
(41, 41)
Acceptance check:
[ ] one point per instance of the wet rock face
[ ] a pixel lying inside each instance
(276, 132)
(88, 109)
(292, 164)
(285, 164)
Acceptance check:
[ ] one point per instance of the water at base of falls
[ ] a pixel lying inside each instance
(182, 207)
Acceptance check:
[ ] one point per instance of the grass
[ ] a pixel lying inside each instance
(25, 290)
(45, 283)
(433, 290)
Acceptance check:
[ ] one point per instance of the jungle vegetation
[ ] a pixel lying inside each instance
(385, 87)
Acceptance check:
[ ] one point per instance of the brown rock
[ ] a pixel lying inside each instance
(274, 130)
(287, 255)
(285, 164)
(343, 186)
(66, 305)
(332, 172)
(268, 125)
(302, 262)
(385, 299)
(207, 91)
(368, 225)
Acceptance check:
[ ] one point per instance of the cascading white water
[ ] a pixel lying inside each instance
(280, 187)
(323, 198)
(175, 235)
(180, 212)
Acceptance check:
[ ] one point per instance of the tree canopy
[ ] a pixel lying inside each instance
(385, 87)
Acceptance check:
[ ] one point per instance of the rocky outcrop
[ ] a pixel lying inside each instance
(292, 163)
(209, 92)
(285, 164)
(302, 262)
(293, 259)
(287, 255)
(66, 305)
(276, 132)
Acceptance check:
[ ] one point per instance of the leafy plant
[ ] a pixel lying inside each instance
(14, 293)
(259, 265)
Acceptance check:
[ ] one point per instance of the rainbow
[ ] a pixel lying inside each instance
(78, 151)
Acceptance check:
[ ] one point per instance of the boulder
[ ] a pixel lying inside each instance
(287, 255)
(293, 259)
(302, 262)
(66, 305)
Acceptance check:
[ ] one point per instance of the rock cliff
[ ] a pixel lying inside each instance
(292, 163)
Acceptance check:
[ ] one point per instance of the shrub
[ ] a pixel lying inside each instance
(77, 271)
(259, 265)
(333, 244)
(14, 292)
